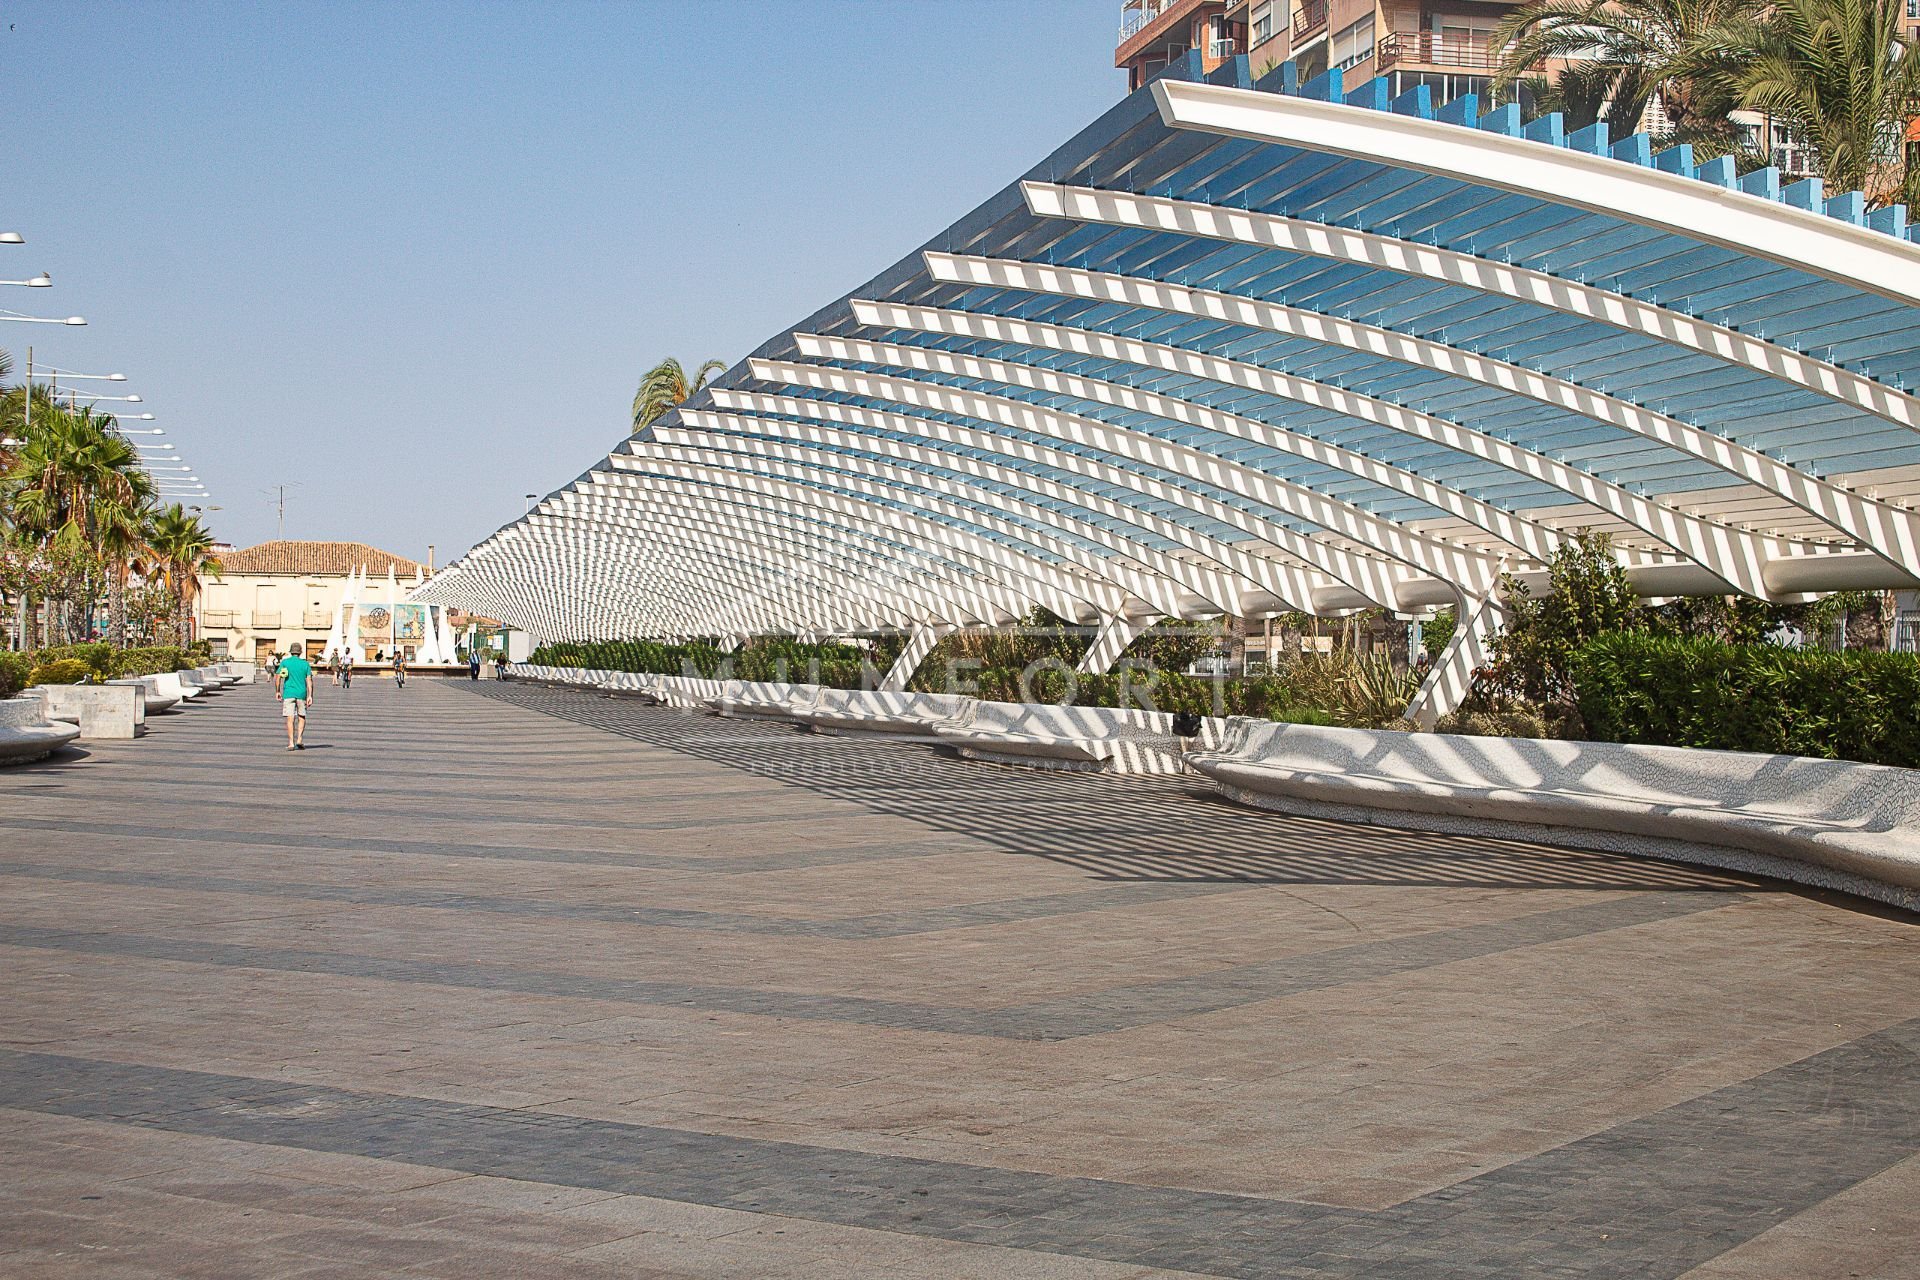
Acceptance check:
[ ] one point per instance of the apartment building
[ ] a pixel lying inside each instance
(1446, 45)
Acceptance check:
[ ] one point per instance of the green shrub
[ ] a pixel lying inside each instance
(98, 657)
(61, 671)
(15, 667)
(151, 661)
(1701, 693)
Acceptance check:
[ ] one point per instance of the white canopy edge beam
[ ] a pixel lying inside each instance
(1855, 256)
(1287, 578)
(1501, 279)
(1144, 565)
(1889, 531)
(1471, 570)
(1699, 539)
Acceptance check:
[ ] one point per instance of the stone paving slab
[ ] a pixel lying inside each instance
(587, 988)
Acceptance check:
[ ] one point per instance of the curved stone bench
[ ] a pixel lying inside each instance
(1833, 823)
(202, 680)
(158, 699)
(906, 716)
(114, 710)
(765, 700)
(27, 735)
(1117, 740)
(170, 683)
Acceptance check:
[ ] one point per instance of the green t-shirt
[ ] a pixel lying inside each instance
(295, 673)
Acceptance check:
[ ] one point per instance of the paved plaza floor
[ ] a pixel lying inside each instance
(499, 980)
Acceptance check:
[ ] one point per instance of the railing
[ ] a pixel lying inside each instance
(217, 618)
(266, 621)
(1436, 49)
(1221, 50)
(1311, 17)
(318, 619)
(1135, 16)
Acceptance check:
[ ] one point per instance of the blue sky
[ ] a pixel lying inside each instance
(412, 259)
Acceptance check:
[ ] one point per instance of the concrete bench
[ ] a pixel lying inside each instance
(202, 680)
(765, 700)
(1113, 739)
(169, 683)
(157, 701)
(101, 710)
(634, 684)
(1833, 823)
(26, 734)
(906, 716)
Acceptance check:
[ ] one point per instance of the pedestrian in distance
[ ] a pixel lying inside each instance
(294, 676)
(399, 669)
(473, 666)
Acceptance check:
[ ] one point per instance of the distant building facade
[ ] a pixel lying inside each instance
(285, 595)
(1446, 45)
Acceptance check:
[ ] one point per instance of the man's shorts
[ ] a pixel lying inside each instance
(291, 707)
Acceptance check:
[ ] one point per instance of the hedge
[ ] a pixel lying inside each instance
(1680, 692)
(847, 667)
(14, 670)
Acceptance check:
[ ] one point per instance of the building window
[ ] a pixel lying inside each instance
(1263, 21)
(1353, 44)
(1913, 10)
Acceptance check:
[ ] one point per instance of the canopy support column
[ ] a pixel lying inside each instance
(919, 644)
(1471, 648)
(1115, 635)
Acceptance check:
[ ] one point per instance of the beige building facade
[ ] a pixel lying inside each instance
(281, 596)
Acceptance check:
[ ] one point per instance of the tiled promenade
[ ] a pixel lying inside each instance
(506, 981)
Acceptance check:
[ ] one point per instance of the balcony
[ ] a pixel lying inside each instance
(1221, 50)
(1137, 15)
(318, 619)
(264, 621)
(1311, 17)
(220, 619)
(1438, 49)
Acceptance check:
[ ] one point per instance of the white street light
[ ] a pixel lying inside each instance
(139, 417)
(136, 431)
(12, 237)
(83, 395)
(87, 377)
(8, 315)
(41, 281)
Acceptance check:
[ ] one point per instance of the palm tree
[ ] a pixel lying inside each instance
(78, 486)
(185, 551)
(1621, 55)
(1842, 75)
(665, 386)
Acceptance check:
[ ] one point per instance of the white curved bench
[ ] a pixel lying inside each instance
(158, 699)
(170, 683)
(1114, 739)
(765, 700)
(203, 680)
(27, 735)
(905, 716)
(1832, 823)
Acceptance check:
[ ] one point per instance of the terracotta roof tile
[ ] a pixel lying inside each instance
(324, 559)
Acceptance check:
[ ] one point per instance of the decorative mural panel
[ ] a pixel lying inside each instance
(410, 622)
(375, 625)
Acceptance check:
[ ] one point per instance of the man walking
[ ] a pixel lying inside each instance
(295, 678)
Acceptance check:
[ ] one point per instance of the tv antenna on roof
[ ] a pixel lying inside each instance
(278, 493)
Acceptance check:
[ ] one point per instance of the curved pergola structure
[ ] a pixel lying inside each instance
(1247, 348)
